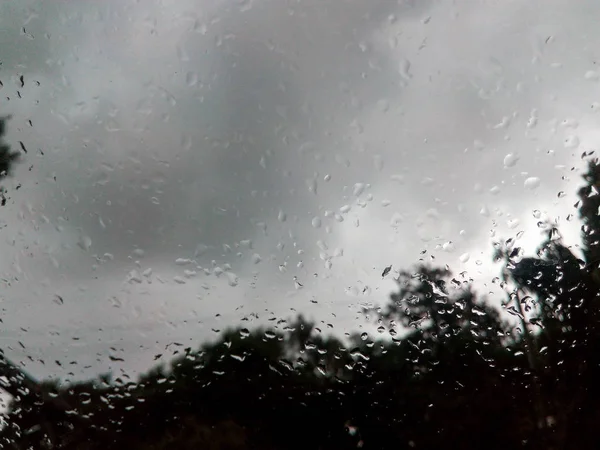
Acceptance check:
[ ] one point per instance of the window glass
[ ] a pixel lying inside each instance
(299, 224)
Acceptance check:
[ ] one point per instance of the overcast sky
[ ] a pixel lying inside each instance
(200, 156)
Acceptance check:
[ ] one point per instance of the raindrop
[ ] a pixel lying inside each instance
(85, 242)
(404, 69)
(316, 222)
(359, 188)
(134, 277)
(513, 223)
(232, 279)
(464, 257)
(510, 160)
(269, 334)
(182, 54)
(386, 271)
(448, 247)
(191, 79)
(570, 123)
(571, 142)
(532, 183)
(532, 122)
(396, 220)
(364, 336)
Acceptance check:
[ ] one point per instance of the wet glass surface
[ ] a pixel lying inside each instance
(299, 224)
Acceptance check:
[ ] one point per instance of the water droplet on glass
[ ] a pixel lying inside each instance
(513, 223)
(570, 123)
(134, 277)
(532, 183)
(404, 70)
(571, 142)
(532, 122)
(396, 220)
(232, 279)
(191, 79)
(270, 334)
(448, 247)
(510, 160)
(85, 242)
(359, 188)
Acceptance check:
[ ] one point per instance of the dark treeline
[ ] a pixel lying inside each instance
(445, 369)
